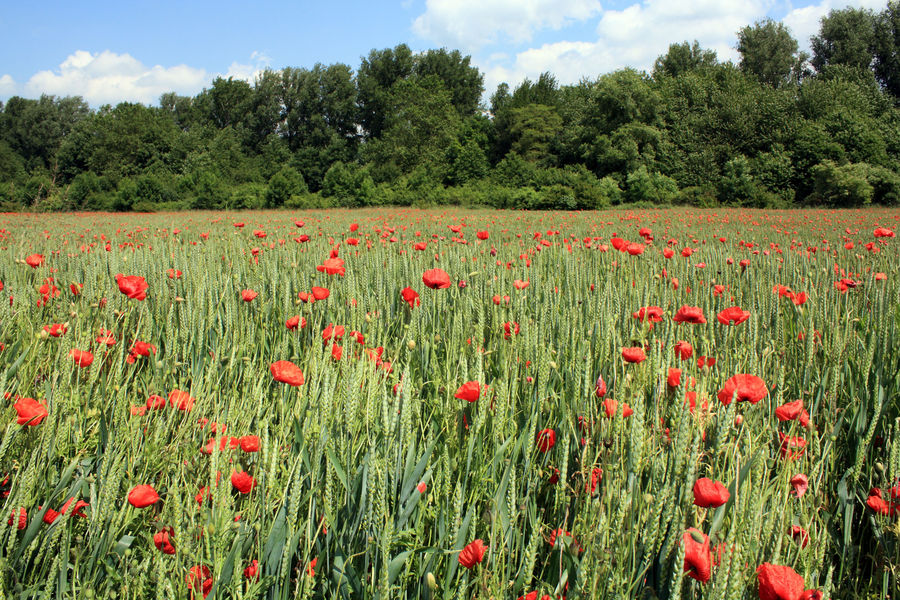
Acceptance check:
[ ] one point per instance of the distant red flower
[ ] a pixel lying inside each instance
(521, 285)
(791, 447)
(709, 493)
(252, 570)
(155, 402)
(472, 554)
(242, 481)
(106, 338)
(436, 279)
(791, 411)
(469, 391)
(610, 407)
(546, 439)
(654, 314)
(600, 388)
(743, 388)
(337, 352)
(800, 534)
(778, 582)
(285, 371)
(30, 411)
(248, 295)
(697, 558)
(332, 266)
(634, 355)
(164, 540)
(634, 249)
(320, 293)
(173, 273)
(482, 235)
(883, 232)
(21, 520)
(689, 314)
(410, 296)
(684, 350)
(56, 329)
(76, 288)
(295, 322)
(82, 358)
(181, 400)
(250, 443)
(34, 260)
(510, 329)
(142, 496)
(591, 483)
(199, 578)
(734, 315)
(133, 286)
(332, 332)
(800, 483)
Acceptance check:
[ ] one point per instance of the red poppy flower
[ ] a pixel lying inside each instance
(34, 260)
(76, 288)
(673, 379)
(472, 554)
(332, 332)
(199, 578)
(800, 483)
(287, 372)
(133, 286)
(252, 570)
(242, 481)
(791, 447)
(56, 329)
(155, 402)
(634, 249)
(469, 391)
(21, 520)
(482, 235)
(106, 338)
(510, 329)
(744, 388)
(521, 285)
(800, 534)
(883, 232)
(653, 314)
(82, 358)
(697, 558)
(410, 296)
(30, 411)
(533, 596)
(778, 582)
(591, 483)
(248, 295)
(734, 315)
(337, 352)
(142, 496)
(791, 411)
(600, 389)
(684, 350)
(709, 493)
(311, 567)
(610, 407)
(250, 443)
(546, 439)
(332, 266)
(181, 400)
(320, 293)
(436, 279)
(164, 540)
(173, 273)
(295, 321)
(634, 355)
(690, 314)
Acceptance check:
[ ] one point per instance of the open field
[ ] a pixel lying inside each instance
(247, 405)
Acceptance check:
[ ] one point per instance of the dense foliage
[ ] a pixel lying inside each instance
(408, 404)
(780, 128)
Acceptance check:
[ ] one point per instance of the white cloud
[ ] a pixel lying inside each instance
(472, 24)
(108, 77)
(804, 22)
(7, 86)
(635, 37)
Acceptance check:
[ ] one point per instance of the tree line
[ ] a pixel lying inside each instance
(781, 128)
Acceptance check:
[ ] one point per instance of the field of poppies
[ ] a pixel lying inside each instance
(450, 404)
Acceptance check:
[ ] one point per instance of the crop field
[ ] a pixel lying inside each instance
(450, 404)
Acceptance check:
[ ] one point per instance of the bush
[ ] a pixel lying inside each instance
(349, 185)
(248, 195)
(655, 187)
(841, 185)
(283, 185)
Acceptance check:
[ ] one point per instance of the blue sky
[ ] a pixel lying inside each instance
(113, 51)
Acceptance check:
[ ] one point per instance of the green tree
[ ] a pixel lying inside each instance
(463, 82)
(887, 48)
(770, 53)
(846, 37)
(283, 185)
(682, 58)
(374, 81)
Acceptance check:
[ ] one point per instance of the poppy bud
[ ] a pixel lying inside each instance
(411, 344)
(738, 420)
(431, 581)
(698, 537)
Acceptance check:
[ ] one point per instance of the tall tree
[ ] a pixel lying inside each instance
(376, 76)
(846, 37)
(682, 58)
(769, 52)
(463, 81)
(887, 48)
